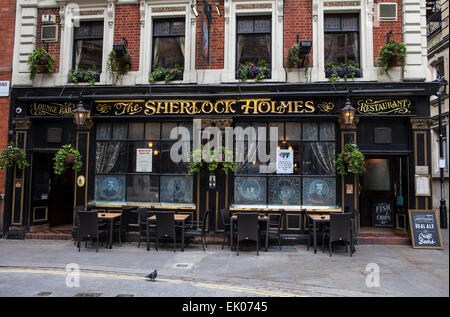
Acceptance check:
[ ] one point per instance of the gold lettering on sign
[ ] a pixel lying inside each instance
(53, 109)
(127, 108)
(385, 106)
(326, 106)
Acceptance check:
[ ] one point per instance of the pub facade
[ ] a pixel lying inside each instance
(133, 126)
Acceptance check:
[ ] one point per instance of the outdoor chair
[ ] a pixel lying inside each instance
(144, 225)
(202, 230)
(123, 225)
(76, 209)
(89, 227)
(226, 219)
(275, 221)
(165, 227)
(340, 230)
(247, 228)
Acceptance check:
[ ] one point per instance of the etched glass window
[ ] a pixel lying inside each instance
(176, 189)
(250, 190)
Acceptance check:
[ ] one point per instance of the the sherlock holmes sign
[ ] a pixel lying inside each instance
(207, 107)
(370, 106)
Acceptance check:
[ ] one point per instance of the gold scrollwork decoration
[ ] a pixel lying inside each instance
(103, 108)
(326, 106)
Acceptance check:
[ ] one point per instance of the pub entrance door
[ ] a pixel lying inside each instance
(52, 195)
(384, 191)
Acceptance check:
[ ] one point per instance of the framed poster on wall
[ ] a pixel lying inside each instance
(423, 185)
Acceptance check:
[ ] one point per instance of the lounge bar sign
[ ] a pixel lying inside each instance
(50, 109)
(370, 106)
(263, 106)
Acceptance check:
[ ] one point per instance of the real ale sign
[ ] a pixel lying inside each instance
(425, 230)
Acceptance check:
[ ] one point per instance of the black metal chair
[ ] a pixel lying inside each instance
(165, 227)
(202, 230)
(275, 221)
(89, 227)
(355, 218)
(143, 222)
(247, 228)
(123, 225)
(75, 210)
(341, 230)
(226, 219)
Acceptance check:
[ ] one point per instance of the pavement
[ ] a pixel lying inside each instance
(49, 268)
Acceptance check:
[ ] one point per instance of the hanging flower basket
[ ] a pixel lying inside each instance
(65, 158)
(350, 161)
(198, 163)
(13, 156)
(40, 61)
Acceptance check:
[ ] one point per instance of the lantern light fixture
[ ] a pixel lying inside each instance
(194, 9)
(348, 112)
(80, 114)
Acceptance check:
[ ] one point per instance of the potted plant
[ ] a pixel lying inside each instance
(295, 60)
(350, 160)
(343, 71)
(197, 162)
(67, 157)
(249, 70)
(90, 75)
(118, 66)
(13, 156)
(160, 73)
(40, 61)
(392, 54)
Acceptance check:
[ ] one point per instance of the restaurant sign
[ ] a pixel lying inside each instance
(260, 106)
(370, 106)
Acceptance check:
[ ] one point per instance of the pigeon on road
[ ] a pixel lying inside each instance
(152, 276)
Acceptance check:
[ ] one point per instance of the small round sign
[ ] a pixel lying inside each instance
(81, 181)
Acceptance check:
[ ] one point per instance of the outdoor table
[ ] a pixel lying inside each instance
(110, 217)
(318, 219)
(325, 219)
(261, 218)
(180, 219)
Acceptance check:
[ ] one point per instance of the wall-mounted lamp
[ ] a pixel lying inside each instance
(150, 144)
(194, 9)
(305, 47)
(156, 152)
(348, 112)
(80, 114)
(218, 9)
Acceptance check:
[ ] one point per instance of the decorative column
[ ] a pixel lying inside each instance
(18, 190)
(350, 183)
(421, 167)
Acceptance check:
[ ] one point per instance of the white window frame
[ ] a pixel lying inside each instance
(148, 14)
(366, 63)
(387, 19)
(67, 37)
(231, 13)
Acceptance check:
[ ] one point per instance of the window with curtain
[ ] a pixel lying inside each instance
(254, 40)
(313, 182)
(341, 38)
(116, 174)
(168, 43)
(88, 45)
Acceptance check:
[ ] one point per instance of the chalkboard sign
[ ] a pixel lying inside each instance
(383, 213)
(425, 230)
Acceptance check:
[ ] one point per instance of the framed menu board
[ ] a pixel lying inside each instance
(423, 185)
(424, 228)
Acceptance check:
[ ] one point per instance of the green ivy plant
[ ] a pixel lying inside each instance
(90, 75)
(117, 67)
(13, 156)
(59, 165)
(167, 74)
(389, 53)
(197, 162)
(356, 161)
(40, 61)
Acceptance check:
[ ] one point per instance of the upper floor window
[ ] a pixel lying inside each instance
(254, 40)
(88, 45)
(341, 38)
(169, 43)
